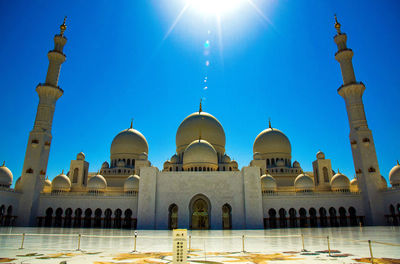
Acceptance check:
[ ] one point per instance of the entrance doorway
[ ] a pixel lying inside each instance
(200, 216)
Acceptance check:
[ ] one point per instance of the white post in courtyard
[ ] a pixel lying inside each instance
(179, 246)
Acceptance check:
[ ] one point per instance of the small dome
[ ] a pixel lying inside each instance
(257, 156)
(97, 183)
(272, 141)
(129, 141)
(121, 163)
(200, 153)
(61, 183)
(303, 183)
(18, 186)
(383, 185)
(143, 156)
(354, 185)
(340, 182)
(226, 159)
(80, 156)
(47, 186)
(131, 183)
(280, 163)
(105, 165)
(200, 122)
(296, 164)
(268, 183)
(394, 175)
(174, 159)
(320, 155)
(6, 176)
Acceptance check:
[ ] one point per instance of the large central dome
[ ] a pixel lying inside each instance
(200, 124)
(129, 141)
(272, 141)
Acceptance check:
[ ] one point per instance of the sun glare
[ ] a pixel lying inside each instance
(217, 7)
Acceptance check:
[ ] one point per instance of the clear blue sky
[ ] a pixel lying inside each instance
(120, 65)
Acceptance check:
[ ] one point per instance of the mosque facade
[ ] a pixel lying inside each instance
(200, 186)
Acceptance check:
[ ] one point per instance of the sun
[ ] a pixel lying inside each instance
(217, 7)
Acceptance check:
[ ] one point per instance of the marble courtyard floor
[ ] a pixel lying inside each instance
(101, 246)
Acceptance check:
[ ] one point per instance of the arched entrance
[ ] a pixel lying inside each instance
(199, 212)
(226, 216)
(173, 216)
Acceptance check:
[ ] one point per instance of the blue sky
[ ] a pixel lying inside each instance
(120, 65)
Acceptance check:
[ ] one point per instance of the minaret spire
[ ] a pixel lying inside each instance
(200, 107)
(39, 142)
(361, 140)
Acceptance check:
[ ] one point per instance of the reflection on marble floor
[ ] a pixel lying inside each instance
(215, 246)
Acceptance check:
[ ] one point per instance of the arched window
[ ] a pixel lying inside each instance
(75, 175)
(332, 217)
(226, 216)
(293, 217)
(313, 217)
(88, 218)
(282, 218)
(173, 216)
(49, 217)
(117, 219)
(97, 218)
(303, 217)
(322, 217)
(128, 162)
(353, 216)
(128, 219)
(326, 176)
(272, 218)
(2, 213)
(267, 163)
(343, 217)
(68, 217)
(58, 218)
(77, 217)
(107, 218)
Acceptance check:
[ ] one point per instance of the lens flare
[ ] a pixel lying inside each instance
(215, 6)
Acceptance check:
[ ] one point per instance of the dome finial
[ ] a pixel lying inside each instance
(63, 27)
(338, 171)
(62, 172)
(201, 108)
(4, 163)
(337, 25)
(397, 163)
(269, 122)
(131, 123)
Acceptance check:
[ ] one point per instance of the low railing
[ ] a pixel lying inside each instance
(79, 240)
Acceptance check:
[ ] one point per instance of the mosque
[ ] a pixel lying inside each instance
(200, 186)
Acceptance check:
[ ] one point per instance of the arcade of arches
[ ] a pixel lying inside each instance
(87, 218)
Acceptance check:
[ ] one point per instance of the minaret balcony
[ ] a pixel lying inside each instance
(344, 54)
(351, 89)
(48, 90)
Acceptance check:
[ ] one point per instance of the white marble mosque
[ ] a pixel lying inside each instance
(200, 187)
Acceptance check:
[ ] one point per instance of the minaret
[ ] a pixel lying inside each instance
(38, 148)
(361, 140)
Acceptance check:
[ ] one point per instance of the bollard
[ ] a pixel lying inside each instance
(134, 245)
(370, 251)
(79, 242)
(23, 240)
(302, 242)
(329, 246)
(243, 243)
(190, 243)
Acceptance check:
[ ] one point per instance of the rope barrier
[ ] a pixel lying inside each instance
(386, 243)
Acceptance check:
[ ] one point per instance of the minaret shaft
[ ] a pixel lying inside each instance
(361, 140)
(39, 142)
